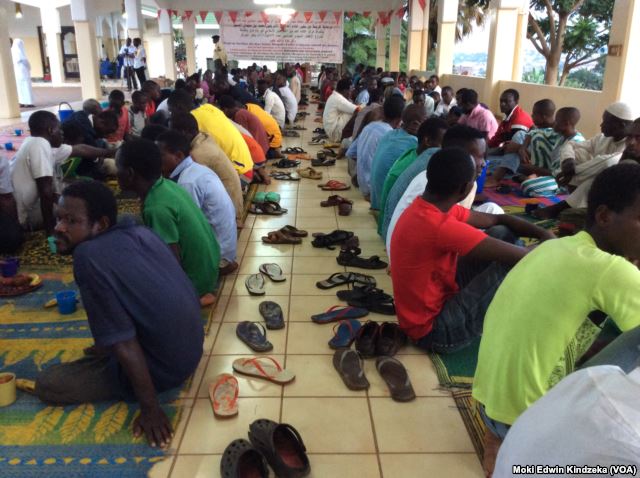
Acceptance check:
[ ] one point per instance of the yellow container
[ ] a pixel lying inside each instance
(7, 389)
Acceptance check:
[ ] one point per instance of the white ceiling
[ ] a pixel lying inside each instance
(300, 5)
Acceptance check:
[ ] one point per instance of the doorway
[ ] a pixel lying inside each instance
(69, 52)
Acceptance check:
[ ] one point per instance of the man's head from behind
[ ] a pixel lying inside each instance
(180, 101)
(543, 113)
(613, 212)
(431, 133)
(85, 209)
(152, 89)
(412, 117)
(116, 100)
(509, 100)
(393, 108)
(174, 148)
(139, 164)
(450, 174)
(186, 124)
(92, 107)
(566, 120)
(46, 125)
(228, 105)
(469, 139)
(632, 149)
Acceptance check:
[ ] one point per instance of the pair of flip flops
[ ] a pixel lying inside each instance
(334, 185)
(284, 176)
(346, 278)
(286, 163)
(310, 173)
(268, 208)
(262, 196)
(350, 366)
(339, 312)
(345, 206)
(255, 282)
(370, 298)
(285, 235)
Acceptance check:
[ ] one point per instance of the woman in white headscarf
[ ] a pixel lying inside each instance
(22, 69)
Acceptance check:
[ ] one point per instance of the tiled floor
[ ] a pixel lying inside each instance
(347, 434)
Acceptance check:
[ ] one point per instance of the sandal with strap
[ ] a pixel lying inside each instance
(286, 163)
(279, 237)
(323, 162)
(223, 394)
(268, 208)
(351, 258)
(374, 300)
(310, 173)
(344, 278)
(267, 368)
(334, 238)
(293, 231)
(344, 333)
(349, 364)
(339, 312)
(335, 200)
(334, 185)
(254, 335)
(240, 458)
(284, 176)
(282, 447)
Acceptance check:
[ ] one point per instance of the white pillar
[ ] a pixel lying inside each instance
(521, 40)
(99, 38)
(424, 58)
(414, 48)
(381, 46)
(83, 23)
(165, 29)
(189, 34)
(9, 106)
(447, 19)
(50, 16)
(135, 23)
(394, 42)
(623, 62)
(502, 47)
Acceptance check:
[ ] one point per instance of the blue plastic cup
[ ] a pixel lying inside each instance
(481, 179)
(8, 146)
(104, 105)
(9, 266)
(66, 302)
(18, 132)
(53, 248)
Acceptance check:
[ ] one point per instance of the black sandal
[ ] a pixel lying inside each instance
(345, 278)
(286, 163)
(332, 239)
(241, 455)
(351, 258)
(282, 446)
(370, 298)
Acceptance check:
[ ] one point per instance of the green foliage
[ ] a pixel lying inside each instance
(359, 41)
(533, 76)
(585, 79)
(179, 47)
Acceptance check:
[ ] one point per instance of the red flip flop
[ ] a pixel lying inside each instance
(223, 394)
(334, 185)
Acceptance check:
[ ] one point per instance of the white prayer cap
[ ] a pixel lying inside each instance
(622, 110)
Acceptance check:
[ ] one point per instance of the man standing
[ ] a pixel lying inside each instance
(148, 335)
(219, 51)
(140, 60)
(127, 52)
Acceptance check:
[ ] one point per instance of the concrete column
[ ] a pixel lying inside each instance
(394, 42)
(381, 46)
(447, 19)
(9, 106)
(135, 23)
(502, 47)
(414, 49)
(83, 21)
(189, 34)
(51, 28)
(99, 37)
(165, 29)
(424, 57)
(521, 40)
(623, 63)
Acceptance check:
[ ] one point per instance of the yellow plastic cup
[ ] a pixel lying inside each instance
(7, 388)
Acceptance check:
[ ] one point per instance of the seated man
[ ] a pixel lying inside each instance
(516, 119)
(171, 213)
(236, 112)
(590, 158)
(541, 309)
(447, 101)
(425, 101)
(271, 127)
(338, 110)
(11, 235)
(205, 151)
(213, 122)
(34, 177)
(288, 98)
(272, 102)
(392, 145)
(476, 115)
(207, 191)
(143, 312)
(364, 147)
(445, 276)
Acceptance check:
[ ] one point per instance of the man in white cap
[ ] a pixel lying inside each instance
(591, 157)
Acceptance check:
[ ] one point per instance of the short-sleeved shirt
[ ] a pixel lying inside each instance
(536, 314)
(481, 119)
(392, 145)
(517, 120)
(34, 160)
(290, 103)
(207, 191)
(542, 143)
(364, 149)
(137, 122)
(139, 61)
(212, 121)
(133, 287)
(123, 126)
(269, 123)
(275, 107)
(176, 218)
(252, 123)
(425, 263)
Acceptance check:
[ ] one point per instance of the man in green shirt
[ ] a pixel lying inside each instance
(172, 214)
(537, 324)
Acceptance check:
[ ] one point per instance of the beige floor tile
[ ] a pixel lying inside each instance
(247, 386)
(368, 234)
(251, 265)
(316, 265)
(372, 248)
(256, 235)
(302, 284)
(447, 465)
(227, 285)
(246, 307)
(245, 234)
(304, 306)
(162, 468)
(331, 425)
(424, 425)
(317, 211)
(344, 466)
(210, 337)
(309, 338)
(360, 222)
(181, 427)
(316, 377)
(307, 250)
(197, 466)
(421, 372)
(271, 288)
(269, 250)
(207, 434)
(275, 222)
(228, 343)
(317, 224)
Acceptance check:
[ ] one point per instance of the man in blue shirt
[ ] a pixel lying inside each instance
(142, 309)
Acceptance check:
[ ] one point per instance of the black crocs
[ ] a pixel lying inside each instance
(241, 460)
(282, 446)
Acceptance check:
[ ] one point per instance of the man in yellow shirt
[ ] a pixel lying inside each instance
(272, 129)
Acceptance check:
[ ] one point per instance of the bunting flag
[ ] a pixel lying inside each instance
(308, 16)
(174, 13)
(350, 14)
(366, 14)
(203, 16)
(187, 14)
(248, 13)
(337, 16)
(400, 12)
(322, 15)
(218, 15)
(293, 17)
(233, 14)
(265, 17)
(423, 4)
(384, 18)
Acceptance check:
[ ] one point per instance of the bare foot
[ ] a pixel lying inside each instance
(491, 446)
(207, 300)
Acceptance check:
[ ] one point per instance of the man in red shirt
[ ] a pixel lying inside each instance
(233, 110)
(445, 270)
(515, 118)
